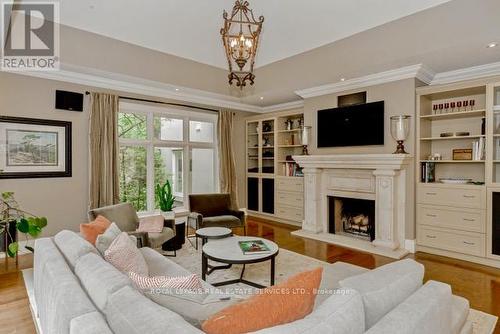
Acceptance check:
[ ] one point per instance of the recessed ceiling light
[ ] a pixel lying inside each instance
(262, 97)
(177, 89)
(492, 45)
(342, 79)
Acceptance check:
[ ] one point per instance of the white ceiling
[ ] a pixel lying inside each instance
(190, 28)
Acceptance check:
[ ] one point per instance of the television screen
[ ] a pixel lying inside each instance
(357, 125)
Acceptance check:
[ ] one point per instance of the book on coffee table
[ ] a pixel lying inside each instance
(253, 247)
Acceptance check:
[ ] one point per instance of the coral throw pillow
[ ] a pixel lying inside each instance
(125, 256)
(191, 282)
(151, 224)
(280, 304)
(91, 230)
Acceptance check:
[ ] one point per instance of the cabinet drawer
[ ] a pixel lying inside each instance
(290, 199)
(446, 217)
(451, 196)
(460, 242)
(290, 213)
(291, 184)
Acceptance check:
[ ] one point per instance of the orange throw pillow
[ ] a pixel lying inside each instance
(280, 304)
(91, 230)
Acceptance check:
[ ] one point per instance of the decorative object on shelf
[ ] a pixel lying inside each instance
(266, 142)
(400, 128)
(462, 154)
(446, 134)
(300, 122)
(478, 149)
(453, 106)
(34, 148)
(435, 157)
(306, 131)
(165, 197)
(25, 222)
(455, 180)
(428, 171)
(268, 154)
(267, 127)
(289, 124)
(462, 133)
(483, 126)
(240, 35)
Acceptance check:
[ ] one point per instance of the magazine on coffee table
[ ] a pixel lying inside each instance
(253, 247)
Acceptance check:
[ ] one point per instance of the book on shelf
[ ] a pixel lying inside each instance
(253, 247)
(478, 149)
(292, 169)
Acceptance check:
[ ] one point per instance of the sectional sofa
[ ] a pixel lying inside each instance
(76, 291)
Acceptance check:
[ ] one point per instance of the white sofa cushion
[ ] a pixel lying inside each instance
(89, 323)
(73, 246)
(129, 312)
(99, 278)
(341, 313)
(459, 312)
(59, 296)
(385, 287)
(426, 311)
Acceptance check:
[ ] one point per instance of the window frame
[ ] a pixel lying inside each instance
(186, 145)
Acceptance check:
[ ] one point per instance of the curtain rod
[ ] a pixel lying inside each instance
(160, 102)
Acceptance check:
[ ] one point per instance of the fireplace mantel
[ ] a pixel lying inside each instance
(383, 177)
(355, 161)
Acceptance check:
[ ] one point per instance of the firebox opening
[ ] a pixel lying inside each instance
(352, 217)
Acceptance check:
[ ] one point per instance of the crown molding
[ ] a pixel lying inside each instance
(418, 71)
(284, 106)
(469, 73)
(130, 84)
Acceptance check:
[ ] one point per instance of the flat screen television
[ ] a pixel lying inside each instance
(357, 125)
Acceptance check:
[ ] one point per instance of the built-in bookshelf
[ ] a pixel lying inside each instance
(274, 180)
(456, 219)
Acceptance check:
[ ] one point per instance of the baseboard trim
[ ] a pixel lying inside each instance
(459, 256)
(410, 245)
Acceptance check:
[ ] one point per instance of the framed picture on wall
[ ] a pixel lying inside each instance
(33, 148)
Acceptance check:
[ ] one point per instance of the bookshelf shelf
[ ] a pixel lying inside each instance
(455, 115)
(453, 137)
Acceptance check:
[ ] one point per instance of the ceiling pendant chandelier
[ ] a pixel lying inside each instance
(240, 36)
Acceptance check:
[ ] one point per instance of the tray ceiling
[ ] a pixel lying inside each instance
(190, 28)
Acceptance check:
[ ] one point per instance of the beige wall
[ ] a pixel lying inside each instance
(399, 99)
(63, 201)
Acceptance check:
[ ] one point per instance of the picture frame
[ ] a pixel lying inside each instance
(35, 148)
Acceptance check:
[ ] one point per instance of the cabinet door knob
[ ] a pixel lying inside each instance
(469, 243)
(430, 215)
(431, 236)
(469, 219)
(432, 194)
(469, 196)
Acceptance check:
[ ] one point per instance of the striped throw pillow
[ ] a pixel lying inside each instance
(191, 282)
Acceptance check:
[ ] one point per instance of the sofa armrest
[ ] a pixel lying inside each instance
(428, 310)
(194, 220)
(142, 238)
(238, 214)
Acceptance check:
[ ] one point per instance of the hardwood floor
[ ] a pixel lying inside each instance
(479, 284)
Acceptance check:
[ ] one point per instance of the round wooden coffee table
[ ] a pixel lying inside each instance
(228, 251)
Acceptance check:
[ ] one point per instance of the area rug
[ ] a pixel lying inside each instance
(287, 264)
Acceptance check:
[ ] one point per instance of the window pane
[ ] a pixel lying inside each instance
(169, 166)
(168, 128)
(133, 176)
(202, 173)
(132, 126)
(201, 131)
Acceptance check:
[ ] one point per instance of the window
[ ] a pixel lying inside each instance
(159, 144)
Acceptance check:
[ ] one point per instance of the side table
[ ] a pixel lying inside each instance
(176, 242)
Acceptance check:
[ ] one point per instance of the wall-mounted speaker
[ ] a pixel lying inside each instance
(69, 100)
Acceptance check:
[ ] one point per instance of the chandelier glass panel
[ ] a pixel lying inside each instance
(240, 36)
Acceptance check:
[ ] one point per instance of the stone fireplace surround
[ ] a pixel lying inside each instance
(380, 177)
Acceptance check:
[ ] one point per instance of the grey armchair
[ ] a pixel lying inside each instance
(213, 210)
(125, 217)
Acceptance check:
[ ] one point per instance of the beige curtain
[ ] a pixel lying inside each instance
(103, 140)
(227, 169)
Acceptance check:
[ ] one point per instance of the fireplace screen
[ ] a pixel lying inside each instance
(352, 217)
